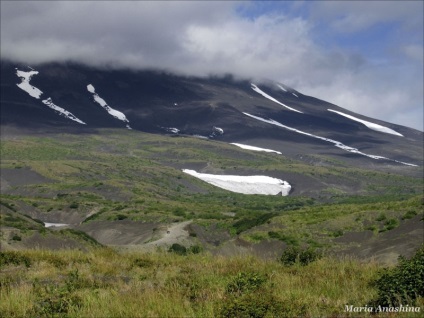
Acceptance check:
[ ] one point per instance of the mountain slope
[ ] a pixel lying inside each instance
(267, 115)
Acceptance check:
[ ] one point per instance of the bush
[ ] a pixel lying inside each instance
(74, 205)
(248, 223)
(252, 306)
(178, 249)
(295, 255)
(16, 237)
(15, 258)
(409, 215)
(402, 284)
(245, 282)
(195, 249)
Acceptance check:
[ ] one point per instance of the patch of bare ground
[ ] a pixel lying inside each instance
(386, 247)
(21, 177)
(36, 240)
(119, 233)
(266, 249)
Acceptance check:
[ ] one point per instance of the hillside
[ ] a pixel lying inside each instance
(126, 188)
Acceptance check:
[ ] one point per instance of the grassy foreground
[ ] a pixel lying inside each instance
(105, 283)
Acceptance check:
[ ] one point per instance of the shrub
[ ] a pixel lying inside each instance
(247, 223)
(402, 284)
(252, 306)
(195, 249)
(409, 215)
(15, 258)
(179, 212)
(178, 249)
(391, 224)
(381, 217)
(303, 256)
(288, 239)
(74, 205)
(245, 282)
(16, 237)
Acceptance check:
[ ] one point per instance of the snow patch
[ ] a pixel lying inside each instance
(295, 95)
(62, 111)
(254, 148)
(172, 130)
(216, 131)
(26, 86)
(335, 142)
(47, 224)
(370, 125)
(113, 112)
(245, 184)
(36, 93)
(258, 90)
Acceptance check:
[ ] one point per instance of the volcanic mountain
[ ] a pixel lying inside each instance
(117, 154)
(266, 115)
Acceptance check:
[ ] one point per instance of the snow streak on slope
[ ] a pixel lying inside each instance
(282, 88)
(335, 142)
(245, 184)
(26, 86)
(36, 93)
(370, 125)
(62, 111)
(258, 90)
(113, 112)
(254, 148)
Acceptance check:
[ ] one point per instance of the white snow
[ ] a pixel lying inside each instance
(258, 90)
(245, 184)
(335, 142)
(218, 130)
(282, 87)
(26, 86)
(36, 93)
(370, 125)
(62, 111)
(295, 95)
(113, 112)
(254, 148)
(46, 224)
(173, 130)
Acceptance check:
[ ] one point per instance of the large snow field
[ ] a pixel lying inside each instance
(244, 184)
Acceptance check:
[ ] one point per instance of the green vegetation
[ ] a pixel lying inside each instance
(126, 176)
(403, 284)
(105, 283)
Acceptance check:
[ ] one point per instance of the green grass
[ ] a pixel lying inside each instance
(128, 175)
(104, 283)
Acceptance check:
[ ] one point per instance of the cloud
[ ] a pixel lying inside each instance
(208, 37)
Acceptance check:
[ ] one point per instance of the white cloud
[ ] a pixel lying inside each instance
(206, 37)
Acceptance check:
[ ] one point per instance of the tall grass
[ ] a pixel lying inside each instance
(105, 283)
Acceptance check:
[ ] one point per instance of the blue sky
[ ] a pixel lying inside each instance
(365, 56)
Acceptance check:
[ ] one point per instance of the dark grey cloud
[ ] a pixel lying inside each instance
(204, 37)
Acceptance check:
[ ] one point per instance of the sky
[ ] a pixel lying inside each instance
(365, 56)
